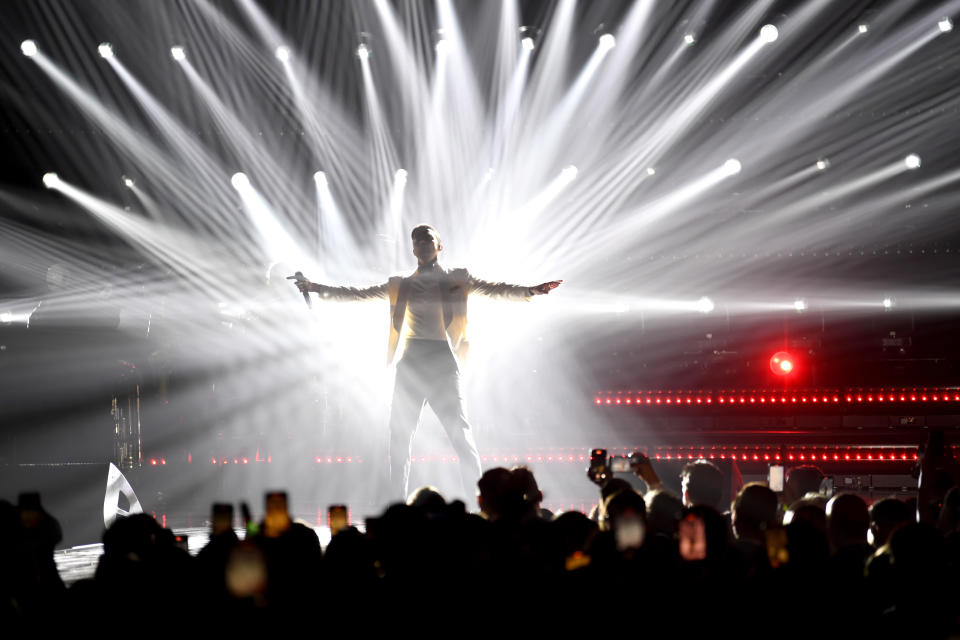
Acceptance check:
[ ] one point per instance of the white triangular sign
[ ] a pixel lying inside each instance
(117, 484)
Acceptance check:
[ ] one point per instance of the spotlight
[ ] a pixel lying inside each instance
(321, 179)
(945, 25)
(607, 41)
(29, 48)
(912, 161)
(769, 33)
(782, 363)
(888, 304)
(705, 305)
(442, 47)
(128, 182)
(106, 50)
(823, 164)
(283, 53)
(6, 317)
(51, 180)
(400, 176)
(569, 173)
(363, 52)
(178, 53)
(651, 171)
(732, 166)
(863, 28)
(240, 181)
(689, 38)
(528, 37)
(800, 305)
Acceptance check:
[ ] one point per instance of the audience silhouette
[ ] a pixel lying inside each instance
(787, 555)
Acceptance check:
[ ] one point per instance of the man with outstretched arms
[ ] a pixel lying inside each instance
(432, 304)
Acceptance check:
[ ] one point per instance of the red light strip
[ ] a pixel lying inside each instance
(752, 453)
(774, 397)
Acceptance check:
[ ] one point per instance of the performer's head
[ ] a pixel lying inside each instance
(426, 243)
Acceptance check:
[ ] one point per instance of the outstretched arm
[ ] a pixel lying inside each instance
(510, 291)
(343, 293)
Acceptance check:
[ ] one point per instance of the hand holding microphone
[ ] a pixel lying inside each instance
(304, 285)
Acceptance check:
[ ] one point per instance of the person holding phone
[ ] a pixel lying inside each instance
(431, 305)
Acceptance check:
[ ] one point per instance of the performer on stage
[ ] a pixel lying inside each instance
(432, 302)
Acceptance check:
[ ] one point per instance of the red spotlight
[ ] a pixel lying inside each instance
(782, 363)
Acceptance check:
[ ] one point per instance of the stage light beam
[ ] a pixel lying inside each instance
(363, 52)
(863, 28)
(912, 161)
(128, 182)
(769, 33)
(945, 25)
(800, 305)
(321, 179)
(705, 305)
(28, 48)
(569, 173)
(607, 42)
(178, 54)
(689, 39)
(527, 44)
(105, 50)
(823, 164)
(282, 53)
(240, 181)
(51, 180)
(732, 167)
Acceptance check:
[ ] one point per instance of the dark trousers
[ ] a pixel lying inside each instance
(428, 372)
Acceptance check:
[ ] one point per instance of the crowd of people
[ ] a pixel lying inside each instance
(795, 563)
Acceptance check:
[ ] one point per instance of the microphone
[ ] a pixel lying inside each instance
(299, 277)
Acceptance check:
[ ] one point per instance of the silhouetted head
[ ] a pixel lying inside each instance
(622, 505)
(847, 520)
(917, 549)
(702, 484)
(429, 500)
(754, 511)
(809, 511)
(524, 484)
(573, 532)
(885, 516)
(492, 490)
(663, 512)
(800, 481)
